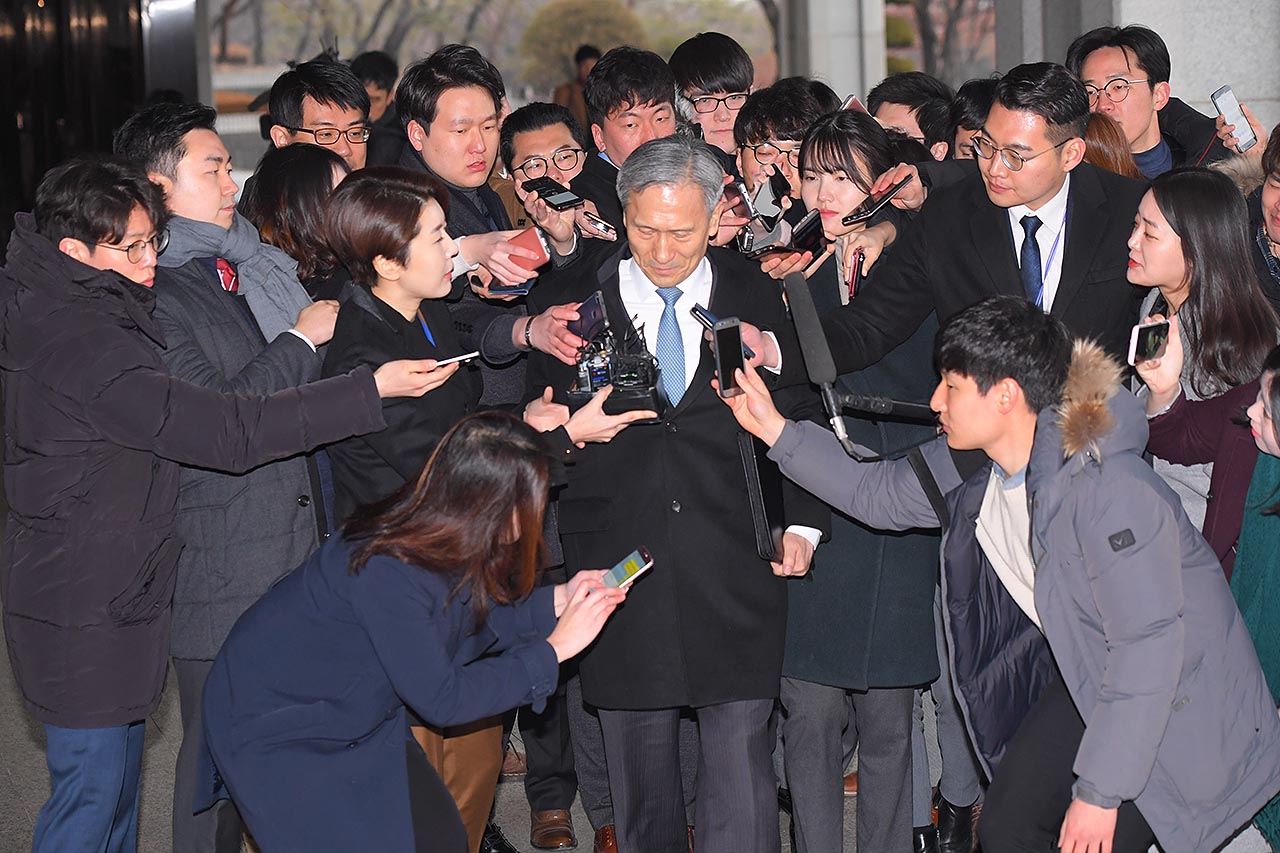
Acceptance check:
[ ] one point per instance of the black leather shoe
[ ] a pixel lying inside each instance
(924, 839)
(493, 841)
(955, 827)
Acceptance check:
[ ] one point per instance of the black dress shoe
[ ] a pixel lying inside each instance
(924, 839)
(493, 841)
(955, 827)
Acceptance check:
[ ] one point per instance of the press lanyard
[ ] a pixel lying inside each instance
(1053, 251)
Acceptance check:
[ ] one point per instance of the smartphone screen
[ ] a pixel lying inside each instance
(1148, 341)
(728, 335)
(1225, 102)
(632, 566)
(591, 318)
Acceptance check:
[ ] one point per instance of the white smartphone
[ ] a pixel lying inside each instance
(464, 357)
(1224, 101)
(632, 566)
(1148, 341)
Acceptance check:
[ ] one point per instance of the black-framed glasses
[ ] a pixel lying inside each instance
(710, 103)
(1117, 90)
(986, 149)
(768, 153)
(137, 250)
(565, 160)
(331, 135)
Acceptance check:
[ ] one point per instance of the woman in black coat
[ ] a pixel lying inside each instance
(425, 602)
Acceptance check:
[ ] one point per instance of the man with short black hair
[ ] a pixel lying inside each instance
(321, 103)
(916, 105)
(630, 98)
(714, 76)
(772, 124)
(1126, 73)
(378, 73)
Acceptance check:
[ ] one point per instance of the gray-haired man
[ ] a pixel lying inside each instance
(704, 629)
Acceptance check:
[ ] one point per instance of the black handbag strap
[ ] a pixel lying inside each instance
(930, 486)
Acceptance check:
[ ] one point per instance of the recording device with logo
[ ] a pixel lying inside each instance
(555, 194)
(610, 356)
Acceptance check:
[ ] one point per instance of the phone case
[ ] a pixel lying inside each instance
(531, 238)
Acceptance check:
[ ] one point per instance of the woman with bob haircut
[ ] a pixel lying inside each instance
(286, 202)
(1190, 244)
(425, 601)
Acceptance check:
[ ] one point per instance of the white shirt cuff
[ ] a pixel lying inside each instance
(811, 533)
(305, 339)
(461, 267)
(778, 369)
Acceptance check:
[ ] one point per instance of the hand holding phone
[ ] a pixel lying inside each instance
(728, 345)
(709, 320)
(1148, 341)
(592, 319)
(874, 203)
(1225, 102)
(556, 195)
(464, 357)
(600, 225)
(535, 241)
(628, 569)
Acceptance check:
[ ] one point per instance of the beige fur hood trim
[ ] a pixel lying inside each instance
(1084, 416)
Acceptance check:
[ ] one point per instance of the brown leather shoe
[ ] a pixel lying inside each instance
(606, 840)
(514, 764)
(552, 830)
(851, 784)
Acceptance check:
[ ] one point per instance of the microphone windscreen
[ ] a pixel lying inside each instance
(813, 341)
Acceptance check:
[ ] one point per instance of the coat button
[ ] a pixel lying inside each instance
(675, 506)
(671, 428)
(304, 500)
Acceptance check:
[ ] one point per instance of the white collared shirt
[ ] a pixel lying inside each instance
(1052, 215)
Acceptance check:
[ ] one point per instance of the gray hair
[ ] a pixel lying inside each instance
(671, 161)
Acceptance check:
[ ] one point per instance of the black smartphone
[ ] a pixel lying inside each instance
(807, 236)
(709, 320)
(728, 336)
(781, 186)
(872, 205)
(739, 203)
(555, 194)
(591, 318)
(768, 209)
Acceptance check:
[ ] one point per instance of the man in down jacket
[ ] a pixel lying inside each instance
(1106, 678)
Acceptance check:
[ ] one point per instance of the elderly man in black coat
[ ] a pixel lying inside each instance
(704, 628)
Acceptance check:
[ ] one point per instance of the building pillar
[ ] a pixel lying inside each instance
(840, 42)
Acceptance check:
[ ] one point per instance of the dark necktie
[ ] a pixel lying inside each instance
(1029, 261)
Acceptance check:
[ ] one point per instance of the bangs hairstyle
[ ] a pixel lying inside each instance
(287, 202)
(1007, 337)
(453, 66)
(712, 62)
(486, 480)
(784, 110)
(325, 82)
(91, 200)
(1228, 326)
(375, 211)
(152, 138)
(624, 78)
(851, 142)
(1050, 91)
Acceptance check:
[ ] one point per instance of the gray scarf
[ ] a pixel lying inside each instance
(267, 277)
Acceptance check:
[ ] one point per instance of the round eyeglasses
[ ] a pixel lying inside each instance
(986, 149)
(565, 160)
(331, 135)
(768, 153)
(1117, 90)
(137, 250)
(710, 103)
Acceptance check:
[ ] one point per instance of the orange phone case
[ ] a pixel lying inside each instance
(531, 238)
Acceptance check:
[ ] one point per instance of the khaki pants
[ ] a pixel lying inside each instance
(468, 759)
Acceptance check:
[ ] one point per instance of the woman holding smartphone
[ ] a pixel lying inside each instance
(1190, 244)
(425, 602)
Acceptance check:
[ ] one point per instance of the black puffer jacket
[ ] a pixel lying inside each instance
(94, 431)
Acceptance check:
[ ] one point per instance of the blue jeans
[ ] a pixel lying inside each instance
(93, 805)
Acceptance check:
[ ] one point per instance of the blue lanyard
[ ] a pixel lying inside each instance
(1053, 251)
(426, 331)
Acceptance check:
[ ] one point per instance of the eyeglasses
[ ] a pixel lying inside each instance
(986, 149)
(1117, 90)
(710, 103)
(331, 135)
(565, 159)
(768, 153)
(137, 250)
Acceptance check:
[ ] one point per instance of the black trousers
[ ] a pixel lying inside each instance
(1029, 796)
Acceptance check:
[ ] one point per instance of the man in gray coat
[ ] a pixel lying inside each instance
(1105, 674)
(234, 319)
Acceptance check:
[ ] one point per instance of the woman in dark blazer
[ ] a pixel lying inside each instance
(426, 601)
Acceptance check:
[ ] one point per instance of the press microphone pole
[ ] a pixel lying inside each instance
(817, 354)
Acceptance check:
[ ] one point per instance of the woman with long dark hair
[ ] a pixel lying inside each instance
(286, 202)
(426, 601)
(1190, 244)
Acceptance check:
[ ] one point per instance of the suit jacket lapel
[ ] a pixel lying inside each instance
(1087, 221)
(993, 241)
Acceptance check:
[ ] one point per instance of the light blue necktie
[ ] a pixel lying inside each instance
(669, 347)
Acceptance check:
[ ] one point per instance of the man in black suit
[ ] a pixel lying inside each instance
(970, 240)
(630, 99)
(704, 628)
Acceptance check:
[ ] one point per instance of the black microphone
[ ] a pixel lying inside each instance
(887, 406)
(818, 362)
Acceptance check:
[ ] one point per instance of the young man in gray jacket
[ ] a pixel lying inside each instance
(1106, 678)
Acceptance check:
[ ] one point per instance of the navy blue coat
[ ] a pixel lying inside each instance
(304, 709)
